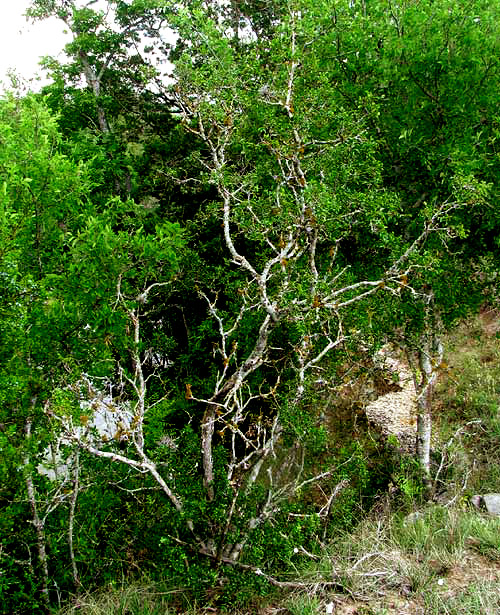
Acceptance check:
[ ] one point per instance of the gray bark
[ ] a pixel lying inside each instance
(38, 524)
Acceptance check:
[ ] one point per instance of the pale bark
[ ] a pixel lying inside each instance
(291, 257)
(38, 524)
(71, 522)
(430, 356)
(424, 432)
(425, 357)
(94, 82)
(229, 394)
(140, 461)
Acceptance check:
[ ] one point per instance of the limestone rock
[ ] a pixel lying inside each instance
(490, 502)
(394, 412)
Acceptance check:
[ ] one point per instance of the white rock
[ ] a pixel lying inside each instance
(492, 503)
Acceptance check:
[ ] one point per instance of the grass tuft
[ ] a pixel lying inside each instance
(138, 598)
(438, 556)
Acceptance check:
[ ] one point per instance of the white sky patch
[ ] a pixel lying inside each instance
(23, 43)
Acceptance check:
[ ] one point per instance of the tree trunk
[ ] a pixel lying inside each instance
(39, 526)
(424, 432)
(94, 82)
(72, 509)
(430, 356)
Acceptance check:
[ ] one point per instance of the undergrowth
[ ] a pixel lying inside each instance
(439, 558)
(441, 561)
(467, 415)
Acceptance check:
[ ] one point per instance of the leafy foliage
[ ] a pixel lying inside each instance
(196, 255)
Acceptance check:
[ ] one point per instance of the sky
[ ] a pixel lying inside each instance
(23, 43)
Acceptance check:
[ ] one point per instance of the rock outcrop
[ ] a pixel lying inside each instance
(394, 412)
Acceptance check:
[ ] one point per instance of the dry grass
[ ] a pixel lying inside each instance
(469, 395)
(142, 598)
(432, 564)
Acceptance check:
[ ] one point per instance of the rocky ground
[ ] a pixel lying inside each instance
(394, 412)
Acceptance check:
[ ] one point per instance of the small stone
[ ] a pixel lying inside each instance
(477, 501)
(492, 503)
(413, 517)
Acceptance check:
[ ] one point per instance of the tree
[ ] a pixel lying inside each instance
(62, 263)
(276, 146)
(41, 199)
(108, 54)
(309, 232)
(432, 68)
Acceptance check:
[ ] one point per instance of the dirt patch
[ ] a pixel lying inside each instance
(474, 568)
(490, 320)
